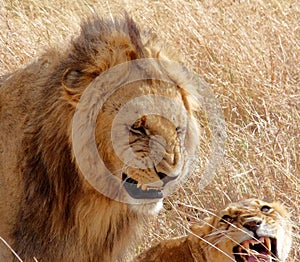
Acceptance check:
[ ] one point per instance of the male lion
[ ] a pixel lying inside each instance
(250, 230)
(48, 209)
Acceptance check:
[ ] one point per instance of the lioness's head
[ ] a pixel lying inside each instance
(139, 114)
(250, 230)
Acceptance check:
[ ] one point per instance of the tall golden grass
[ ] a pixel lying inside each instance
(249, 53)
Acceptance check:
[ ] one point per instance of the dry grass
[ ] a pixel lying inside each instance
(248, 51)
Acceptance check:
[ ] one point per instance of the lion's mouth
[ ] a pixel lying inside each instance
(253, 250)
(140, 191)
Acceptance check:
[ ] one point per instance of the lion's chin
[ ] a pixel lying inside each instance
(147, 208)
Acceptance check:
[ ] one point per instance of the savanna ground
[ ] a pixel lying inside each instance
(249, 53)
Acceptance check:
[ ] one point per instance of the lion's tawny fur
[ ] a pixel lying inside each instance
(47, 209)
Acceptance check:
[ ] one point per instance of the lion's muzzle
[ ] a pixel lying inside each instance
(144, 191)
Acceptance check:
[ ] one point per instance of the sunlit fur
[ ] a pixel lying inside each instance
(213, 240)
(47, 208)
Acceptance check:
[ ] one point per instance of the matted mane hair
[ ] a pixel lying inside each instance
(60, 216)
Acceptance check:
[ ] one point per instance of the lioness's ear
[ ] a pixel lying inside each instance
(204, 228)
(74, 83)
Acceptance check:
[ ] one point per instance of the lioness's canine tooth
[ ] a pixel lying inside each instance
(246, 245)
(268, 243)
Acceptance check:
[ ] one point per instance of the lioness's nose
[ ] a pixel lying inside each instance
(252, 225)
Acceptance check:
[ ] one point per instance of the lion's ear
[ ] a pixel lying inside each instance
(74, 83)
(204, 228)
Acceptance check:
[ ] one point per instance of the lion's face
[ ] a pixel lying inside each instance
(251, 230)
(146, 135)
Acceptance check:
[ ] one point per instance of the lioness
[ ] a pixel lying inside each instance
(48, 209)
(250, 230)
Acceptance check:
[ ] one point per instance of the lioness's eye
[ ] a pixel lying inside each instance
(265, 208)
(227, 219)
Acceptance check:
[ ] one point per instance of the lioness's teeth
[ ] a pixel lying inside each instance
(144, 187)
(268, 243)
(246, 245)
(138, 185)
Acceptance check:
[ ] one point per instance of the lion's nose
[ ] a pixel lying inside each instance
(252, 225)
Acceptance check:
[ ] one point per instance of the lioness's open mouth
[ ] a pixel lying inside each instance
(140, 191)
(252, 250)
